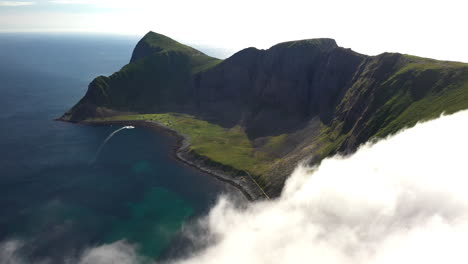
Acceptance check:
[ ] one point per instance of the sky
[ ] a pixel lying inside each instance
(429, 28)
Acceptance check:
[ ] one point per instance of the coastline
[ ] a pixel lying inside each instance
(182, 152)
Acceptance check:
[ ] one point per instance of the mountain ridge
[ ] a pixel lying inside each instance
(154, 42)
(298, 100)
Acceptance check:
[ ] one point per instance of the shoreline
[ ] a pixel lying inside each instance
(182, 152)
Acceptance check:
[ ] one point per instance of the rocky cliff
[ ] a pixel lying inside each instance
(298, 100)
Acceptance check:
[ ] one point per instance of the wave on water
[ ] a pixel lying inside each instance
(107, 139)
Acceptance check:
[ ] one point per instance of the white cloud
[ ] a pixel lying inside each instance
(118, 252)
(402, 200)
(96, 3)
(83, 2)
(16, 3)
(9, 252)
(72, 2)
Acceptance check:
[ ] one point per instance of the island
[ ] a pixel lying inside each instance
(252, 118)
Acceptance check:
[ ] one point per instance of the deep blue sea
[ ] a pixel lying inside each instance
(53, 199)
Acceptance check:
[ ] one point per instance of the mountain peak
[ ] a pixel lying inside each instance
(154, 42)
(155, 39)
(321, 43)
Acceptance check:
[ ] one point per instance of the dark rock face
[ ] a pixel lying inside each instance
(267, 91)
(284, 85)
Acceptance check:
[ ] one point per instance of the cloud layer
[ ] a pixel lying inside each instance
(401, 200)
(16, 3)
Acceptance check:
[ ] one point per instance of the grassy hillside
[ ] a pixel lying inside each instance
(416, 89)
(156, 79)
(435, 87)
(159, 42)
(230, 146)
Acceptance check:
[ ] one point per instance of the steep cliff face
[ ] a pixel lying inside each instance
(394, 91)
(298, 100)
(276, 90)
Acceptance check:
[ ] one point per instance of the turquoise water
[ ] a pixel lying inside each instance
(53, 198)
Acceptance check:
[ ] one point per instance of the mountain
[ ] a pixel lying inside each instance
(155, 80)
(263, 111)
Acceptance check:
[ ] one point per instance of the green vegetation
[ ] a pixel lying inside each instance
(320, 43)
(203, 63)
(420, 89)
(330, 141)
(157, 78)
(450, 100)
(275, 144)
(226, 146)
(159, 41)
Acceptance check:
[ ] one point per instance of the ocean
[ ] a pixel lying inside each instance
(55, 201)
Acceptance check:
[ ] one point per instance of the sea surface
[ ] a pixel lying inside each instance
(55, 200)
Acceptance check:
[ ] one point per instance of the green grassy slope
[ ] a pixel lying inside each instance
(156, 80)
(230, 146)
(158, 41)
(414, 90)
(435, 87)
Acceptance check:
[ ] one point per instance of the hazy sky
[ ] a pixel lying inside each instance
(429, 28)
